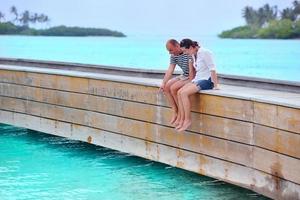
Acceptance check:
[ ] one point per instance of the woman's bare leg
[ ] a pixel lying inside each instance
(181, 105)
(188, 90)
(174, 89)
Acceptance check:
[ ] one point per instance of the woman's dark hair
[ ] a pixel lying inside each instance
(195, 44)
(186, 43)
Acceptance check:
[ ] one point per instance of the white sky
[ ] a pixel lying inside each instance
(156, 17)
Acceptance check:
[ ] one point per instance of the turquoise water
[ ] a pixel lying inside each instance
(35, 165)
(275, 59)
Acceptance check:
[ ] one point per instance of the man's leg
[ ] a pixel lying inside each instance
(180, 118)
(170, 98)
(188, 90)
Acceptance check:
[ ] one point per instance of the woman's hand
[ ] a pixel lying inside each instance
(217, 87)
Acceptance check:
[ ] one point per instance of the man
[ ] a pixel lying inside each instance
(170, 85)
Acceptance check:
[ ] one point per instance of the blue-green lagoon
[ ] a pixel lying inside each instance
(274, 59)
(34, 165)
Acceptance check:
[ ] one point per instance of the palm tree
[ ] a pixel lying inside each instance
(296, 5)
(261, 15)
(47, 19)
(288, 13)
(42, 18)
(250, 15)
(1, 16)
(270, 13)
(265, 14)
(14, 11)
(34, 18)
(25, 18)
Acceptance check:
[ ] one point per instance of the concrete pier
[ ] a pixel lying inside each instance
(246, 136)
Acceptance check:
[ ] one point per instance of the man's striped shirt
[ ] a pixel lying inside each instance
(182, 60)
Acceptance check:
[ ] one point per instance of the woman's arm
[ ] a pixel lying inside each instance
(214, 79)
(212, 67)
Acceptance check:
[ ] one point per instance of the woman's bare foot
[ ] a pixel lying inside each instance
(174, 118)
(185, 125)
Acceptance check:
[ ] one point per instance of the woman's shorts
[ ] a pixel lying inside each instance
(204, 84)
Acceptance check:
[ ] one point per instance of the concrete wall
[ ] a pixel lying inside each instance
(251, 144)
(254, 82)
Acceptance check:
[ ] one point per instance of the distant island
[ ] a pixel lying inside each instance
(268, 23)
(19, 25)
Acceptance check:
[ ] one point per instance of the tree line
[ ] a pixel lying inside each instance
(268, 22)
(19, 25)
(262, 16)
(24, 18)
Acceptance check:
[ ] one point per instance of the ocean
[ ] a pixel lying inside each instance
(272, 59)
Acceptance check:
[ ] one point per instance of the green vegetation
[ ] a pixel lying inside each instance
(8, 28)
(19, 25)
(267, 23)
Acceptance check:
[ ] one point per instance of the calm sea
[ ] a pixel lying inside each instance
(275, 59)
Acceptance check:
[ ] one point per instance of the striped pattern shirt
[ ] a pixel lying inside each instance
(182, 60)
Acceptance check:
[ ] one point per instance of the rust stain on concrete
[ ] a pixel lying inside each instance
(226, 173)
(205, 142)
(89, 139)
(147, 146)
(180, 155)
(276, 171)
(157, 153)
(294, 124)
(202, 162)
(278, 142)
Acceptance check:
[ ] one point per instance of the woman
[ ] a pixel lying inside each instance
(205, 79)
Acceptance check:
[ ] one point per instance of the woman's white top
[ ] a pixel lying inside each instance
(204, 64)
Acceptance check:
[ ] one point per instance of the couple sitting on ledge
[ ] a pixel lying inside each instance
(199, 73)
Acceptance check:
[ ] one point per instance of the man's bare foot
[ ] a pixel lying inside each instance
(185, 125)
(177, 122)
(174, 118)
(179, 125)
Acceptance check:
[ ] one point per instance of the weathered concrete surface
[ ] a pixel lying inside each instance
(253, 82)
(237, 135)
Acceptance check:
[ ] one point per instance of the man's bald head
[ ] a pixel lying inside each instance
(172, 42)
(173, 47)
